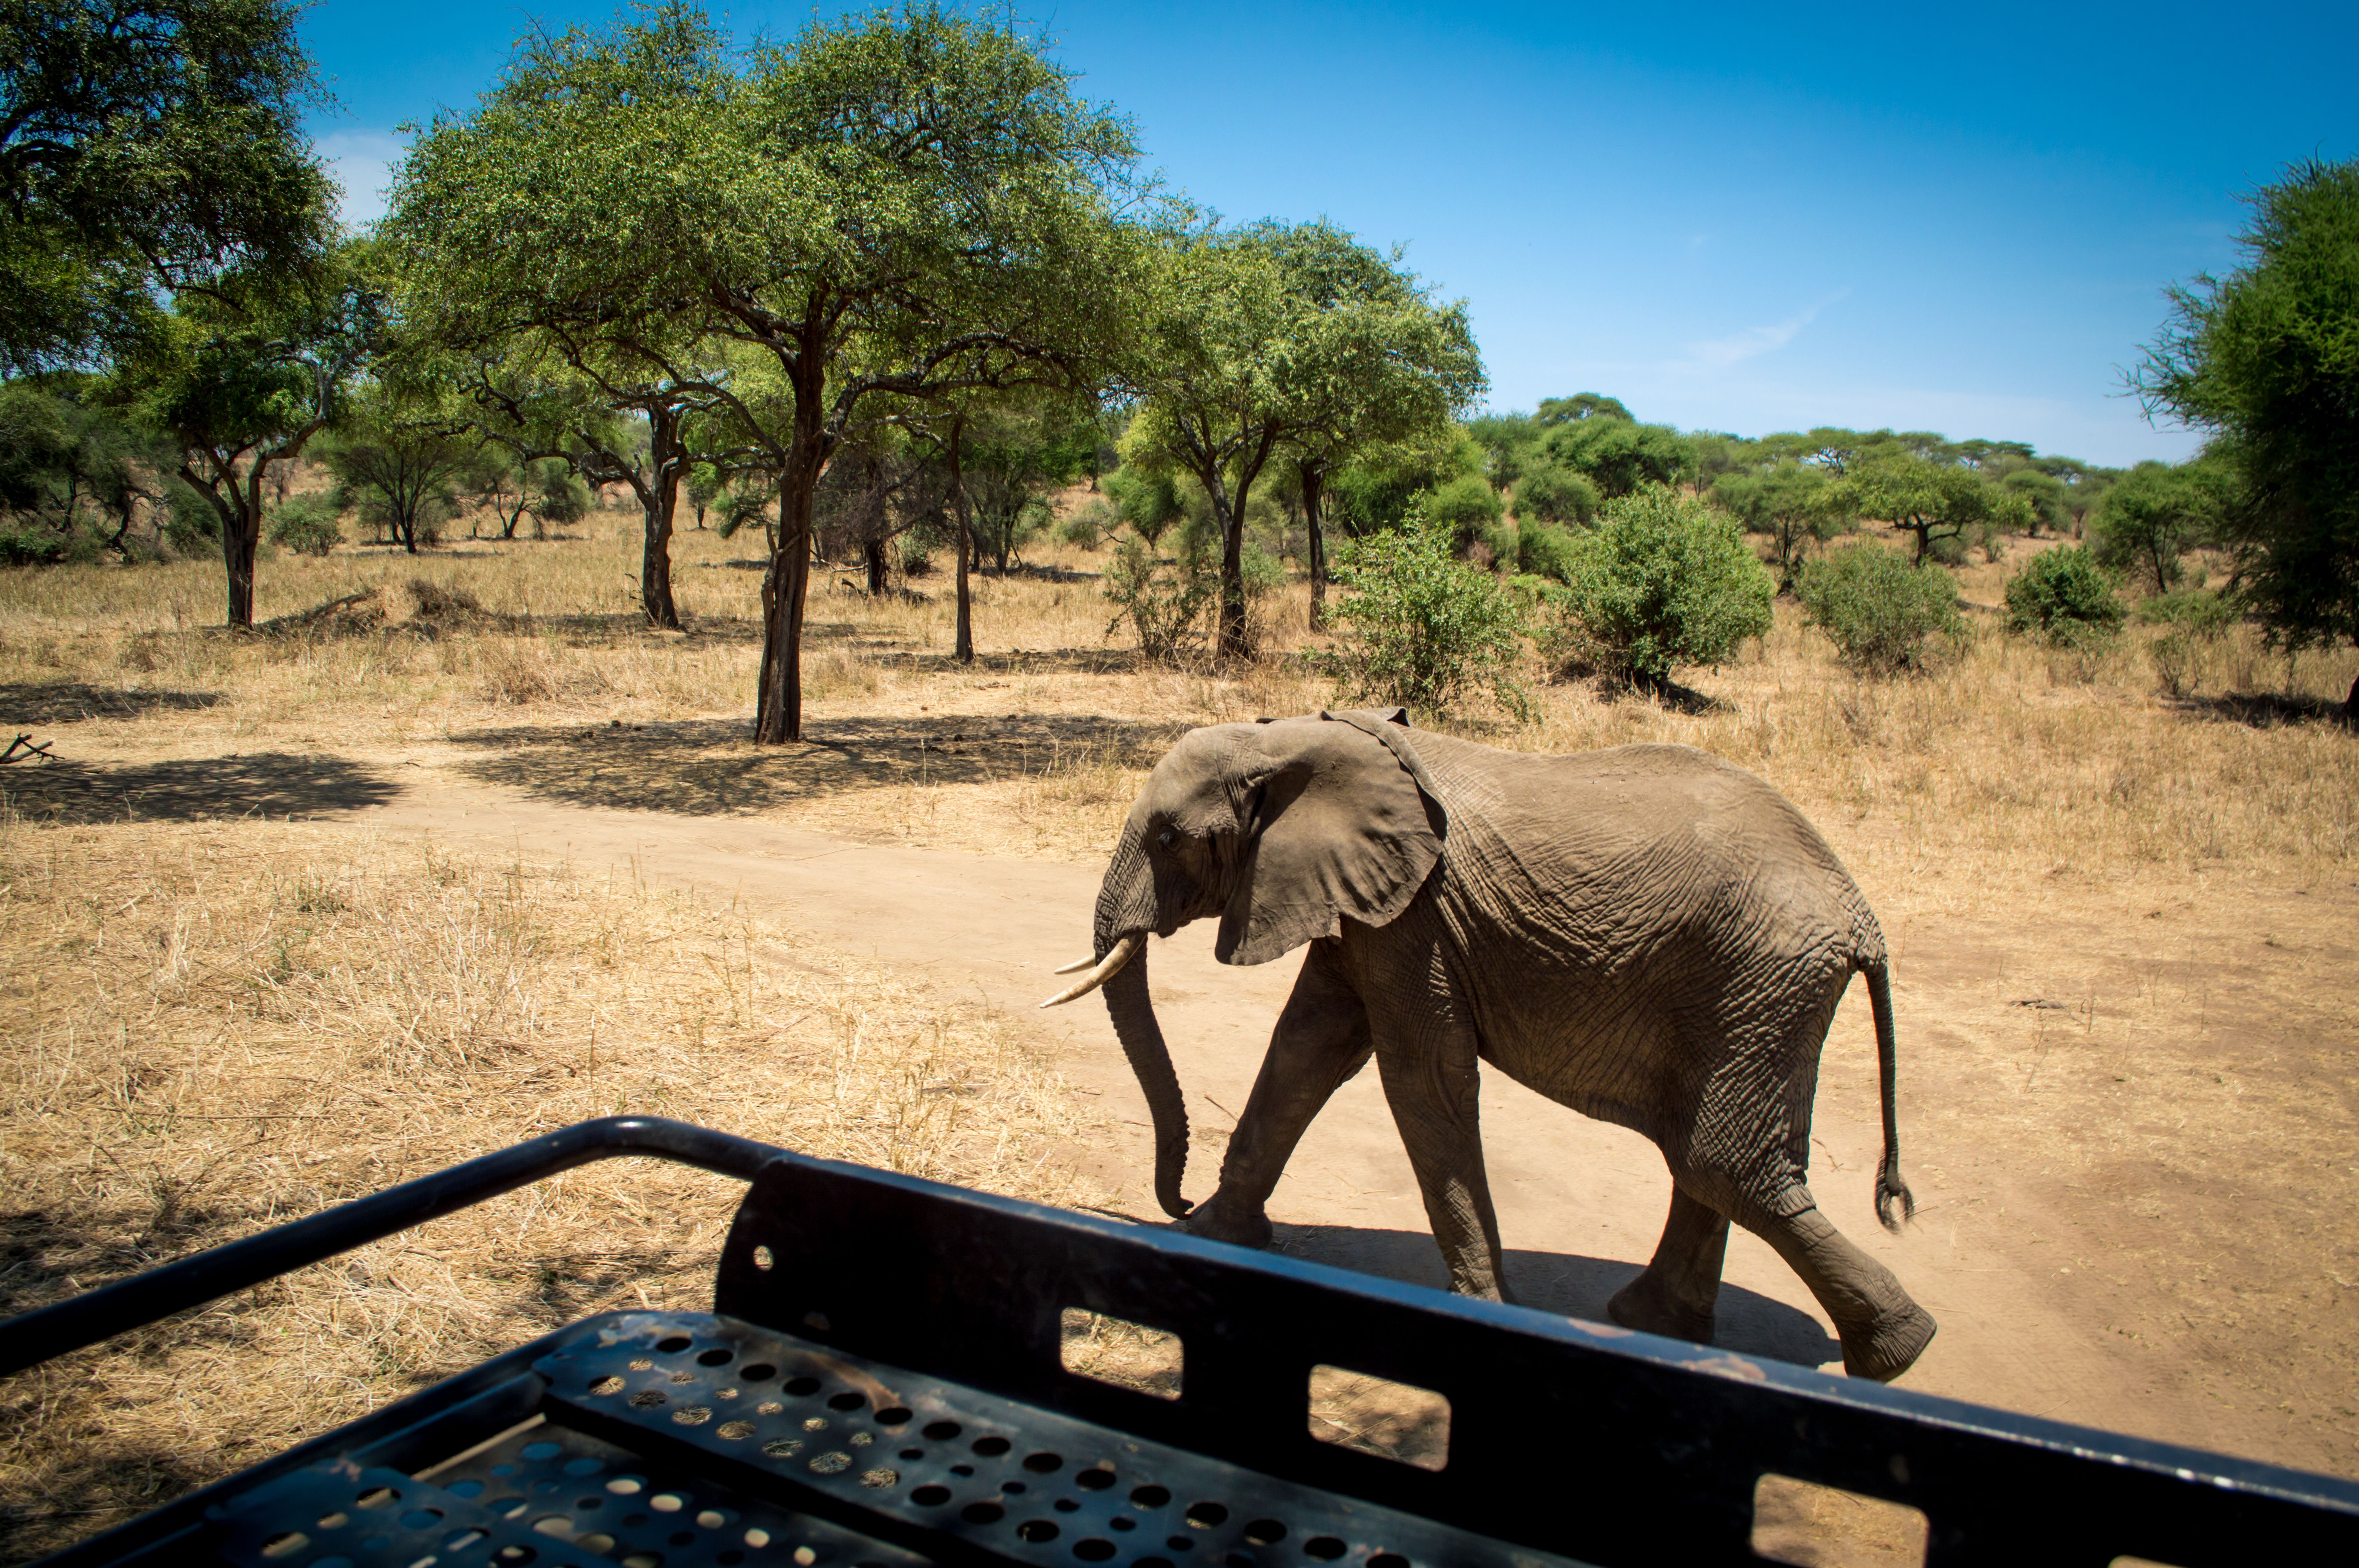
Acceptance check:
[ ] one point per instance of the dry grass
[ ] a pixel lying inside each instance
(214, 1028)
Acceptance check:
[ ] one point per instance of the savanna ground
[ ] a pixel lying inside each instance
(241, 983)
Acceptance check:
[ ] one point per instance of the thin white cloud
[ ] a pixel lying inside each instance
(361, 163)
(1719, 353)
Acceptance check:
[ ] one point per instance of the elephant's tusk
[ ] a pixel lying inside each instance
(1076, 966)
(1107, 968)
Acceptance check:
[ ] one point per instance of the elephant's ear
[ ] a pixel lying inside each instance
(1346, 825)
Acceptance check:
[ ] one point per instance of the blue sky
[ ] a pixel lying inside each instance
(1730, 218)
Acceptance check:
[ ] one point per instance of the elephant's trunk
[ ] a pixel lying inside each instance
(1142, 1041)
(1128, 907)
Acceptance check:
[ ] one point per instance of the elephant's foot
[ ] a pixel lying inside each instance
(1218, 1221)
(1646, 1305)
(1890, 1345)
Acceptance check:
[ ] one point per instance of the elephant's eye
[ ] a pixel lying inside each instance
(1163, 839)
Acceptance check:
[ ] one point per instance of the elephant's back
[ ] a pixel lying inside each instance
(1643, 841)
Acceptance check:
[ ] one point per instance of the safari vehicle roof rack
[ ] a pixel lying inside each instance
(880, 1384)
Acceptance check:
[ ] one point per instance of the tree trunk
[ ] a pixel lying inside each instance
(241, 534)
(778, 712)
(1314, 487)
(654, 555)
(963, 648)
(2351, 706)
(873, 552)
(1231, 518)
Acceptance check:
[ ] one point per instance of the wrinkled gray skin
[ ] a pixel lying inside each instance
(1648, 935)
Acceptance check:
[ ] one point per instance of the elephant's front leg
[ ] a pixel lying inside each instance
(1428, 1060)
(1679, 1291)
(1320, 1040)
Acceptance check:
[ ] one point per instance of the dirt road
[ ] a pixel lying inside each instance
(1994, 1254)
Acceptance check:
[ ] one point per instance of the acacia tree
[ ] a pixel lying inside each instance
(1931, 500)
(890, 208)
(1791, 501)
(2267, 358)
(1376, 363)
(147, 147)
(242, 380)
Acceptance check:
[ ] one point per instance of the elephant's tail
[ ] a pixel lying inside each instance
(1889, 1188)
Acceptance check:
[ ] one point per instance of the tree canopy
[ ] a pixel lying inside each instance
(2268, 359)
(146, 145)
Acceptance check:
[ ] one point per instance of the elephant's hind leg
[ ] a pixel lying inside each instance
(1882, 1330)
(1321, 1041)
(1677, 1293)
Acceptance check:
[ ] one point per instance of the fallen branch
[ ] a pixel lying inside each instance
(30, 750)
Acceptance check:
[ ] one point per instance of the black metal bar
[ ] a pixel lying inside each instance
(33, 1337)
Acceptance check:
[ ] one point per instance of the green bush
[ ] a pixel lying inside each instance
(307, 524)
(1164, 599)
(2206, 614)
(1881, 613)
(1543, 551)
(29, 543)
(1664, 580)
(1466, 505)
(1422, 627)
(2064, 596)
(1089, 525)
(1550, 493)
(1263, 573)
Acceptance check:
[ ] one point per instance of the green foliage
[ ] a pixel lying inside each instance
(2064, 596)
(1942, 503)
(1582, 406)
(1264, 573)
(1146, 498)
(1466, 505)
(1422, 627)
(151, 146)
(1546, 552)
(2153, 515)
(1883, 614)
(1092, 524)
(1663, 581)
(73, 477)
(397, 467)
(1550, 493)
(1792, 503)
(1164, 598)
(2269, 359)
(2195, 610)
(1617, 454)
(307, 525)
(2043, 494)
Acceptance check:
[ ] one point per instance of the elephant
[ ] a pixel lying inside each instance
(1648, 935)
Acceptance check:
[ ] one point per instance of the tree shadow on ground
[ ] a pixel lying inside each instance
(2265, 710)
(67, 702)
(1565, 1284)
(712, 768)
(1015, 661)
(263, 784)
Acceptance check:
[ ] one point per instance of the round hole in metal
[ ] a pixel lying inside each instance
(1043, 1463)
(847, 1402)
(832, 1463)
(1387, 1559)
(1067, 1506)
(1036, 1530)
(764, 1259)
(1149, 1496)
(286, 1543)
(1096, 1479)
(1326, 1548)
(384, 1497)
(961, 1469)
(1204, 1516)
(943, 1430)
(893, 1415)
(583, 1467)
(930, 1496)
(1013, 1488)
(626, 1486)
(880, 1479)
(758, 1372)
(648, 1399)
(1152, 1562)
(981, 1513)
(693, 1415)
(1179, 1544)
(735, 1431)
(607, 1385)
(1094, 1549)
(802, 1387)
(672, 1344)
(719, 1356)
(913, 1454)
(1118, 1522)
(991, 1447)
(419, 1519)
(1263, 1531)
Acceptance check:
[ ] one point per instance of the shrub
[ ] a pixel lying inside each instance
(1543, 551)
(2205, 614)
(1881, 613)
(1663, 580)
(1548, 492)
(1164, 600)
(1422, 627)
(2064, 596)
(1466, 505)
(1089, 525)
(1263, 574)
(308, 525)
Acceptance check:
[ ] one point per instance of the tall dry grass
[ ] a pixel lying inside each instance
(210, 1029)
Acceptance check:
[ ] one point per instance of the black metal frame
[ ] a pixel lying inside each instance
(1565, 1437)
